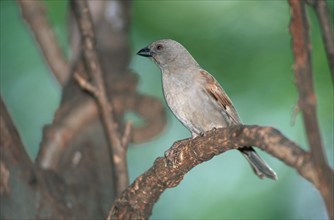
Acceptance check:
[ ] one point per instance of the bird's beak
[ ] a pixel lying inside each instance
(145, 52)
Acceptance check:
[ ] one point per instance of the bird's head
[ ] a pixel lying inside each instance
(168, 54)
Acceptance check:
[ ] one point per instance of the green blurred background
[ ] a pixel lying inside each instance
(246, 46)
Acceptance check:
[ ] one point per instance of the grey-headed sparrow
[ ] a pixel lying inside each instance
(196, 98)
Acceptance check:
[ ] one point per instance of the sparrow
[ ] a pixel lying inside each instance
(196, 98)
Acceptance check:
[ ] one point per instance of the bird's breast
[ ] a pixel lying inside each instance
(189, 103)
(176, 92)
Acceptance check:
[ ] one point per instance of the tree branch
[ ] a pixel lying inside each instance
(34, 13)
(92, 62)
(70, 121)
(307, 100)
(11, 146)
(137, 201)
(24, 185)
(321, 9)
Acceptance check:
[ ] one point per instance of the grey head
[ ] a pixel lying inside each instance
(168, 54)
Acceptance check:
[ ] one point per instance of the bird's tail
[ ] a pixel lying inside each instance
(260, 168)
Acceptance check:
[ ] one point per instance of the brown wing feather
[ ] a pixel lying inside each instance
(217, 92)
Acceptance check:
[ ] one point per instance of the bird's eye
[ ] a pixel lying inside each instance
(159, 47)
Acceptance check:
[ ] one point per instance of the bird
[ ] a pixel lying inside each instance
(196, 98)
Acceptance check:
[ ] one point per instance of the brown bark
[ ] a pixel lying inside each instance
(40, 191)
(137, 201)
(301, 46)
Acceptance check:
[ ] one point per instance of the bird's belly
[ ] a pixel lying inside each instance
(195, 111)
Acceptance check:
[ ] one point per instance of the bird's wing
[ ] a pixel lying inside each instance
(217, 92)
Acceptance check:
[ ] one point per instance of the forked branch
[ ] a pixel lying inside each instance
(97, 89)
(299, 29)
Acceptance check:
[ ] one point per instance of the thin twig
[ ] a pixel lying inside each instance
(321, 9)
(299, 29)
(94, 69)
(84, 84)
(127, 134)
(34, 13)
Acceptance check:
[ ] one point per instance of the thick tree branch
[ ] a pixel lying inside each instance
(11, 146)
(94, 68)
(137, 201)
(22, 184)
(34, 13)
(57, 137)
(299, 29)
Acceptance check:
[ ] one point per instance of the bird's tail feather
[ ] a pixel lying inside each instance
(260, 168)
